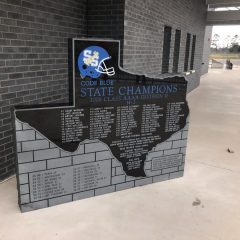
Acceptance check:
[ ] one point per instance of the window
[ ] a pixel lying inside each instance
(176, 50)
(187, 49)
(193, 52)
(166, 49)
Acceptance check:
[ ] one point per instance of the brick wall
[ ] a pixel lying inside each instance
(33, 46)
(144, 30)
(38, 157)
(105, 19)
(33, 58)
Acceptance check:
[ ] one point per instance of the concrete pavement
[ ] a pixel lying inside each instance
(163, 210)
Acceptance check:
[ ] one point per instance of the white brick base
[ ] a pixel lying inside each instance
(37, 153)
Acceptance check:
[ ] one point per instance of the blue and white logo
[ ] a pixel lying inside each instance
(91, 62)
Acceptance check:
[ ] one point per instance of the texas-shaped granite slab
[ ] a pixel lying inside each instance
(129, 113)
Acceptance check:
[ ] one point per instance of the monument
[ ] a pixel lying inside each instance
(122, 130)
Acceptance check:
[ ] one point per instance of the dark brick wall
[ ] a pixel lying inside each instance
(105, 19)
(33, 59)
(33, 46)
(144, 34)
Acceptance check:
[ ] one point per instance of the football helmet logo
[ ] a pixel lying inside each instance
(91, 62)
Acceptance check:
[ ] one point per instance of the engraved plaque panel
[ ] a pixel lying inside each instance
(91, 175)
(50, 183)
(68, 180)
(166, 162)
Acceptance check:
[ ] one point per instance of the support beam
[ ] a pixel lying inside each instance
(223, 17)
(224, 5)
(223, 2)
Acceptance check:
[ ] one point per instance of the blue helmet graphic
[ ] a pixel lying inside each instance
(91, 62)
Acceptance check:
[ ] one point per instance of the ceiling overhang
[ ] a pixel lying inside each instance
(223, 12)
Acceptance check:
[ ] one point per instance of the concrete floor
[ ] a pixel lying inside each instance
(162, 210)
